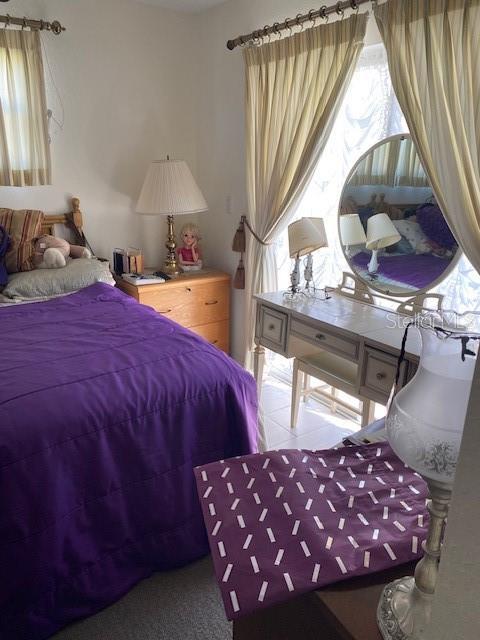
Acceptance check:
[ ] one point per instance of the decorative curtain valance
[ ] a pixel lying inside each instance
(293, 88)
(24, 146)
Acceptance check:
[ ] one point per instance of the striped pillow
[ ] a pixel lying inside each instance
(23, 227)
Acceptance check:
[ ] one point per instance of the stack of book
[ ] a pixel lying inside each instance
(128, 260)
(140, 278)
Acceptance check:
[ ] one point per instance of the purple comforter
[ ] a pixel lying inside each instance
(414, 270)
(105, 408)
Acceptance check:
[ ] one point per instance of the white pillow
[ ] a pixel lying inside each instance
(412, 231)
(45, 283)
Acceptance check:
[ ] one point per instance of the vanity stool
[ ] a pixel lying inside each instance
(337, 374)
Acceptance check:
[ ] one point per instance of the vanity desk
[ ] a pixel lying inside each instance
(399, 247)
(355, 345)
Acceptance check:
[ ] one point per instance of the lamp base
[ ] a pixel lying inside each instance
(171, 268)
(404, 611)
(171, 265)
(405, 605)
(373, 264)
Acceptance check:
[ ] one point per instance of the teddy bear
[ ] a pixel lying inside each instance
(52, 253)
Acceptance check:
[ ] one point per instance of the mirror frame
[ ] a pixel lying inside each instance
(371, 285)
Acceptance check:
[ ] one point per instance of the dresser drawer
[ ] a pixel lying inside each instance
(273, 328)
(326, 339)
(217, 333)
(190, 304)
(378, 375)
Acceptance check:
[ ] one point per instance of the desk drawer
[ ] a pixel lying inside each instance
(378, 376)
(190, 304)
(273, 328)
(327, 340)
(217, 333)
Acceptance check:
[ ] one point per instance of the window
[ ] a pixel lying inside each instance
(370, 112)
(24, 148)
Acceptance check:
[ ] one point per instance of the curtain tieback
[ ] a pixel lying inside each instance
(239, 245)
(239, 242)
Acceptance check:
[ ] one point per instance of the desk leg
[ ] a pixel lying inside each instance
(258, 365)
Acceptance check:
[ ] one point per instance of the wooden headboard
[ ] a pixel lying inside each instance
(70, 219)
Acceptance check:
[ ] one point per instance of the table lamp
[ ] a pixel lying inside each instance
(424, 427)
(351, 231)
(170, 189)
(381, 233)
(304, 237)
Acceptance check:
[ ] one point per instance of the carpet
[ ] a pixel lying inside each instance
(184, 604)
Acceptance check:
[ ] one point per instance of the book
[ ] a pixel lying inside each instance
(128, 260)
(140, 279)
(135, 260)
(118, 255)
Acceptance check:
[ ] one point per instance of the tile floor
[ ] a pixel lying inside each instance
(317, 427)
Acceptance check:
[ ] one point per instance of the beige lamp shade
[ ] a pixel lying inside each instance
(170, 189)
(381, 232)
(306, 235)
(351, 230)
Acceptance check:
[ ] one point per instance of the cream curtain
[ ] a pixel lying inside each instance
(293, 89)
(433, 50)
(24, 147)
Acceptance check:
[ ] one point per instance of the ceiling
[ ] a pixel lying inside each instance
(192, 6)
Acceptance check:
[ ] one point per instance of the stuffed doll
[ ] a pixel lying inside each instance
(52, 253)
(189, 256)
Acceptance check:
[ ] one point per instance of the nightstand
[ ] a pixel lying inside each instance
(198, 301)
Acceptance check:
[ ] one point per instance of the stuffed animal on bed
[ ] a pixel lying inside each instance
(52, 253)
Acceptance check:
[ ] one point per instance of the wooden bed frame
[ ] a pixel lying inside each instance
(72, 219)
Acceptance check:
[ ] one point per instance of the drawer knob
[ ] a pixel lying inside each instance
(214, 341)
(187, 289)
(381, 375)
(271, 327)
(212, 302)
(165, 312)
(320, 336)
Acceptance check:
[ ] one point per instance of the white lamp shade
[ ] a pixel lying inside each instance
(306, 235)
(426, 418)
(351, 230)
(381, 232)
(170, 189)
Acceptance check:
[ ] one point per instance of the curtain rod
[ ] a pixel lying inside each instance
(36, 25)
(299, 20)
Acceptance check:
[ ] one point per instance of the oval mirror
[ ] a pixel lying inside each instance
(392, 232)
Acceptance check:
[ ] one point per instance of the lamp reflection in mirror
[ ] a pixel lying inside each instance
(381, 233)
(351, 232)
(424, 427)
(304, 237)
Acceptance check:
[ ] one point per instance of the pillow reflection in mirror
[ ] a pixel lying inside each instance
(411, 230)
(401, 248)
(434, 225)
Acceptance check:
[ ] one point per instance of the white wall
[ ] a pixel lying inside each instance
(221, 143)
(125, 72)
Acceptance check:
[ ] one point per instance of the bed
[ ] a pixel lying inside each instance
(105, 409)
(420, 272)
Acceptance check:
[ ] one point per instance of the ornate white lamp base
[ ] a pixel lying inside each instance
(373, 264)
(403, 611)
(405, 606)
